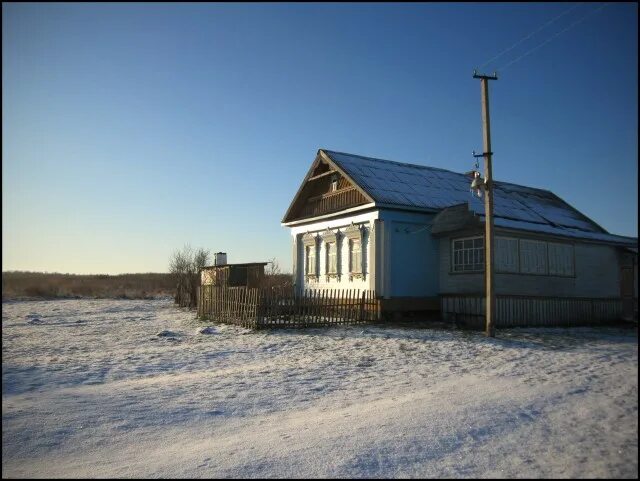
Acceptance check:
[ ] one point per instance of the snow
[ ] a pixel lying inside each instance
(91, 390)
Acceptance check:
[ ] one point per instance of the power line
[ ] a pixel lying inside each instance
(528, 36)
(530, 51)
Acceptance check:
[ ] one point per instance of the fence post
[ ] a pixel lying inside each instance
(362, 305)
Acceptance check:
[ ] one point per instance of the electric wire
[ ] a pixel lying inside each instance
(528, 36)
(530, 51)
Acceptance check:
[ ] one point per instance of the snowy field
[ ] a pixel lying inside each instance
(124, 388)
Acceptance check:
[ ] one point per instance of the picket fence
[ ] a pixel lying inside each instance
(260, 308)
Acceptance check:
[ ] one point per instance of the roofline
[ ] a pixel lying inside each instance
(371, 205)
(428, 210)
(407, 164)
(335, 164)
(624, 241)
(240, 264)
(580, 213)
(535, 233)
(321, 155)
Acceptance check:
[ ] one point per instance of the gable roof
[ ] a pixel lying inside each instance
(419, 187)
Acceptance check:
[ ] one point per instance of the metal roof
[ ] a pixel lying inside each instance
(430, 188)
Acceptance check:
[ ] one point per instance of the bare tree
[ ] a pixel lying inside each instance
(185, 265)
(273, 267)
(273, 276)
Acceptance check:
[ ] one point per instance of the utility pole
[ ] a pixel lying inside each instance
(490, 296)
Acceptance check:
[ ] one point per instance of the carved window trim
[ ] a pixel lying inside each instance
(331, 237)
(355, 232)
(311, 240)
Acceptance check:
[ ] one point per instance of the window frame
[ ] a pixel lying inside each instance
(519, 271)
(358, 268)
(328, 264)
(355, 232)
(452, 263)
(310, 243)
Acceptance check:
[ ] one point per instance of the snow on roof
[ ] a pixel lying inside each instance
(431, 188)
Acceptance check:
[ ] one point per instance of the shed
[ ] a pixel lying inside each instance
(248, 274)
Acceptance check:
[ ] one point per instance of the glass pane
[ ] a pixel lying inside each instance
(457, 245)
(478, 242)
(468, 243)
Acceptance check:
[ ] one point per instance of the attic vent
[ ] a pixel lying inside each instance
(334, 182)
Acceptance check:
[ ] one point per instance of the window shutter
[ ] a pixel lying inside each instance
(533, 257)
(561, 259)
(506, 254)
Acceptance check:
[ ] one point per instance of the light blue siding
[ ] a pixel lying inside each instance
(412, 264)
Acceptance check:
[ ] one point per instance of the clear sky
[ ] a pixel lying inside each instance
(131, 129)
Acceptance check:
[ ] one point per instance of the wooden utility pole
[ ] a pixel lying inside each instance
(490, 296)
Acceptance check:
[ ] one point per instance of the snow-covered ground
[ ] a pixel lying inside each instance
(125, 388)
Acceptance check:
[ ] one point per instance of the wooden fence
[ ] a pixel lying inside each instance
(512, 311)
(260, 308)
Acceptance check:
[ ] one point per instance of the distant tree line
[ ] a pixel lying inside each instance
(50, 285)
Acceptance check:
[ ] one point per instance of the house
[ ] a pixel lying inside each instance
(414, 234)
(250, 274)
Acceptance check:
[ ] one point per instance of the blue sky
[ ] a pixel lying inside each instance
(132, 129)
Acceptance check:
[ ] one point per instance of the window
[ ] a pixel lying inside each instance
(533, 257)
(334, 183)
(332, 258)
(468, 254)
(311, 260)
(355, 233)
(560, 259)
(506, 254)
(523, 256)
(355, 256)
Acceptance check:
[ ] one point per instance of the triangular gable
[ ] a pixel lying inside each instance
(315, 197)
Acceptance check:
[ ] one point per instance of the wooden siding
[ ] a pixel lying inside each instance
(522, 311)
(332, 202)
(233, 275)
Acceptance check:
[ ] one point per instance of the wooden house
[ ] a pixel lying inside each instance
(414, 234)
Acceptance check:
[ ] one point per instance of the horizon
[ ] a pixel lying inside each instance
(130, 130)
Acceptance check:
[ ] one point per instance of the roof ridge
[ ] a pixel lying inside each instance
(420, 166)
(406, 164)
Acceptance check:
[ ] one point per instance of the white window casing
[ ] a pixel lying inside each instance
(354, 234)
(467, 254)
(310, 243)
(331, 241)
(515, 255)
(332, 258)
(355, 256)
